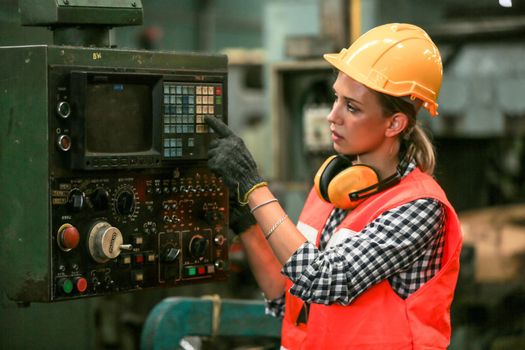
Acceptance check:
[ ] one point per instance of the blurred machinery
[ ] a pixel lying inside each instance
(489, 307)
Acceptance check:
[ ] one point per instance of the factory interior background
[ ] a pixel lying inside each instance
(278, 97)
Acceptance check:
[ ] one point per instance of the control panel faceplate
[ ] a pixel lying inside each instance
(116, 233)
(105, 183)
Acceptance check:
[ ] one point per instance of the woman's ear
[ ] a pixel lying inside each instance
(398, 123)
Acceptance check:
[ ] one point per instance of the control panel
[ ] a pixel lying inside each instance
(114, 233)
(105, 184)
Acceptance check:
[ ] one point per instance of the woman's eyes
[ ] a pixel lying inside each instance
(349, 107)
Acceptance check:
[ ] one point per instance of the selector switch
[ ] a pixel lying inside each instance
(170, 254)
(198, 246)
(100, 199)
(125, 203)
(76, 199)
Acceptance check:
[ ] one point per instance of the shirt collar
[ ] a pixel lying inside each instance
(406, 166)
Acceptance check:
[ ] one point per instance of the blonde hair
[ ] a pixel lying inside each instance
(415, 142)
(421, 148)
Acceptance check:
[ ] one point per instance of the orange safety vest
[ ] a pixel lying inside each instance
(379, 319)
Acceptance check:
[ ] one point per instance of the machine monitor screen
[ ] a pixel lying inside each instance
(118, 118)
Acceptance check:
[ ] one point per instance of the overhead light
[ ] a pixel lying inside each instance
(505, 3)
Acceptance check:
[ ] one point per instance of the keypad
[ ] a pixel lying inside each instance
(185, 106)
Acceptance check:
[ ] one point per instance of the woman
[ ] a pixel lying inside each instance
(372, 263)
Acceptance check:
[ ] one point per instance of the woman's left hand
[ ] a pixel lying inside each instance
(230, 159)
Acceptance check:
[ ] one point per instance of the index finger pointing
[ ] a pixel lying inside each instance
(218, 126)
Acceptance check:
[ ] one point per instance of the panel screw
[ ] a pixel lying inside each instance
(66, 2)
(134, 4)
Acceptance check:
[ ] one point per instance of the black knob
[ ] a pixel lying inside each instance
(100, 199)
(125, 203)
(76, 200)
(198, 246)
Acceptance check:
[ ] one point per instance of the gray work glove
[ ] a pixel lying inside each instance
(230, 159)
(240, 217)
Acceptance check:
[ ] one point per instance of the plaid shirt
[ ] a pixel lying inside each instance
(403, 245)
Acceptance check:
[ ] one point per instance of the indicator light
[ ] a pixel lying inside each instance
(64, 142)
(138, 276)
(126, 260)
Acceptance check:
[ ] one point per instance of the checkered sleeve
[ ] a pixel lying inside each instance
(275, 307)
(400, 240)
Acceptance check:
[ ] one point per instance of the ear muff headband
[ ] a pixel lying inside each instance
(390, 181)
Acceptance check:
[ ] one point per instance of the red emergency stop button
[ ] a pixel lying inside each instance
(81, 284)
(68, 237)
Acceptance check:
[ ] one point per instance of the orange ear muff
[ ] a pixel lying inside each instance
(330, 168)
(337, 179)
(350, 180)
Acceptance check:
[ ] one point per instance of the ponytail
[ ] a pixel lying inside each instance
(419, 146)
(414, 140)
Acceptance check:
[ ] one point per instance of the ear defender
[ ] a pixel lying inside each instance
(345, 185)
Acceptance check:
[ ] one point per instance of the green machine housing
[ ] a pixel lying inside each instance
(104, 183)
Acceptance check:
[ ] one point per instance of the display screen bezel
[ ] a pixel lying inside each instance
(82, 157)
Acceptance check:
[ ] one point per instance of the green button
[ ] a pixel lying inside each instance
(192, 271)
(218, 100)
(67, 286)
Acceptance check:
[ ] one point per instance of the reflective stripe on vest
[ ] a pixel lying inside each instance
(379, 318)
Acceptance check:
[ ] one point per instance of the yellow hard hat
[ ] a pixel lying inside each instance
(397, 59)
